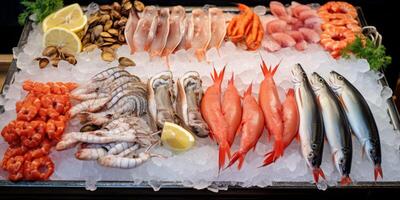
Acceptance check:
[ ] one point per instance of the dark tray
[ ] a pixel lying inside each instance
(71, 189)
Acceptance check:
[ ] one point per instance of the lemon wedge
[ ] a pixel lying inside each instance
(62, 37)
(176, 137)
(70, 17)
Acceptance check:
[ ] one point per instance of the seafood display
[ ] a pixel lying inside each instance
(139, 98)
(40, 123)
(246, 28)
(296, 26)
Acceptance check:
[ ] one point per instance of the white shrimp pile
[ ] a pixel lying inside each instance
(198, 167)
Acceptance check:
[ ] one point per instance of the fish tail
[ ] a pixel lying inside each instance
(278, 148)
(217, 78)
(249, 90)
(378, 172)
(290, 92)
(345, 180)
(269, 158)
(264, 67)
(237, 156)
(231, 81)
(223, 150)
(317, 172)
(276, 67)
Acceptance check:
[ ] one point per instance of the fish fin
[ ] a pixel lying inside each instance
(269, 158)
(249, 90)
(278, 148)
(298, 137)
(264, 68)
(217, 78)
(317, 172)
(378, 172)
(345, 180)
(342, 102)
(237, 156)
(276, 67)
(223, 150)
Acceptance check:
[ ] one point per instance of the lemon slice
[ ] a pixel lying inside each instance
(70, 17)
(62, 37)
(176, 138)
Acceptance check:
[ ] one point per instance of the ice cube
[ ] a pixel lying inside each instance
(386, 93)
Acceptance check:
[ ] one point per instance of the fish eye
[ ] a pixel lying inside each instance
(314, 146)
(320, 80)
(340, 78)
(310, 155)
(341, 161)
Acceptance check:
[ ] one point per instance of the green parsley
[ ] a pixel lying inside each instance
(41, 8)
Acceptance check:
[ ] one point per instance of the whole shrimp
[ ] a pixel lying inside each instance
(211, 110)
(291, 121)
(251, 125)
(272, 107)
(232, 109)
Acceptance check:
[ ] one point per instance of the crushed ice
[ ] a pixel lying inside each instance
(197, 168)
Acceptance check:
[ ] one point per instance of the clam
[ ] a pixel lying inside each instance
(89, 47)
(43, 62)
(49, 51)
(125, 62)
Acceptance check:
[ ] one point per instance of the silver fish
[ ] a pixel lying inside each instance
(311, 129)
(161, 98)
(337, 129)
(360, 117)
(187, 104)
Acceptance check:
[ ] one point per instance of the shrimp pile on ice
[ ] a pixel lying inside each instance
(162, 31)
(40, 123)
(340, 26)
(246, 28)
(116, 102)
(295, 26)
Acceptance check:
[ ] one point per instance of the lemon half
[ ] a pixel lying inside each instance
(70, 17)
(62, 37)
(176, 137)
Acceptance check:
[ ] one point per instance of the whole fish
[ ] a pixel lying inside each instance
(251, 126)
(201, 33)
(176, 29)
(218, 27)
(360, 117)
(211, 110)
(311, 129)
(160, 39)
(291, 121)
(146, 29)
(232, 109)
(337, 129)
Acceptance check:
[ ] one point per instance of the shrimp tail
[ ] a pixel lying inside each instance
(317, 172)
(249, 90)
(378, 172)
(223, 150)
(345, 180)
(237, 156)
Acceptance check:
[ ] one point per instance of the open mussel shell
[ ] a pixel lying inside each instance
(126, 62)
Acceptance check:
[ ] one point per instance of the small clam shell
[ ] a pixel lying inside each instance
(125, 62)
(121, 36)
(43, 62)
(89, 47)
(105, 7)
(49, 51)
(71, 60)
(93, 20)
(108, 49)
(86, 39)
(127, 5)
(122, 21)
(113, 31)
(116, 25)
(104, 19)
(108, 25)
(107, 56)
(104, 12)
(106, 44)
(100, 41)
(97, 30)
(112, 40)
(139, 6)
(116, 6)
(115, 14)
(55, 61)
(105, 35)
(115, 46)
(66, 53)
